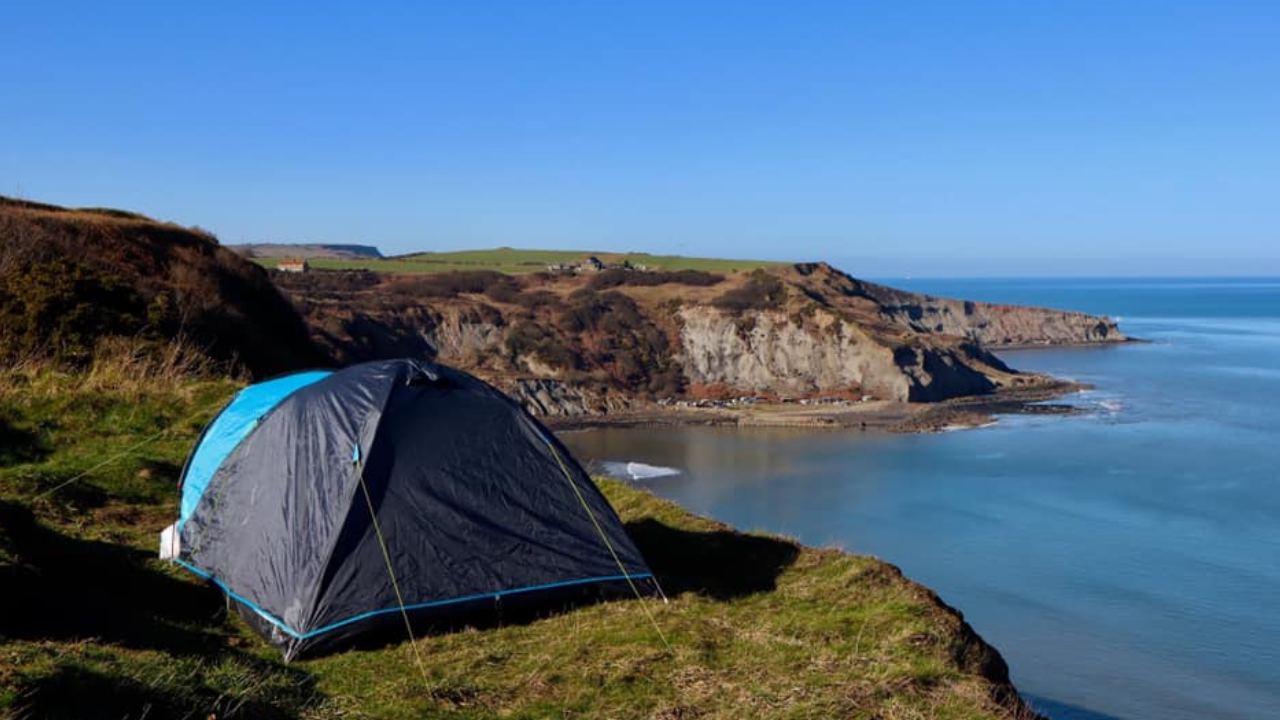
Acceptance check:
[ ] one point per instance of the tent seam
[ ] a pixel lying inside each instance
(351, 500)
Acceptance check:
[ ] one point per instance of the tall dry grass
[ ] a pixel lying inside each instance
(129, 368)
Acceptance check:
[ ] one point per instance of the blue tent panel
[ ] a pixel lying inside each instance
(230, 427)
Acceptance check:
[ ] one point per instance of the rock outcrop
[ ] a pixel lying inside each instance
(992, 325)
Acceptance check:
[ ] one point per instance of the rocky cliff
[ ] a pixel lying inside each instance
(575, 345)
(564, 344)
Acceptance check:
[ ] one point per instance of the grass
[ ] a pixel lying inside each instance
(91, 625)
(516, 261)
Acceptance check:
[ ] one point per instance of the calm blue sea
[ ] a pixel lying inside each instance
(1126, 562)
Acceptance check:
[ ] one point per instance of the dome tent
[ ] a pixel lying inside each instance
(310, 497)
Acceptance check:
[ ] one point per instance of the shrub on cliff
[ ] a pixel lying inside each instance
(616, 337)
(452, 284)
(528, 338)
(761, 291)
(605, 335)
(510, 291)
(325, 282)
(616, 277)
(57, 308)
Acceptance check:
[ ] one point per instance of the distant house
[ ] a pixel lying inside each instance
(591, 264)
(297, 265)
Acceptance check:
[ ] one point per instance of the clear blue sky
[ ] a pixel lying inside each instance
(896, 138)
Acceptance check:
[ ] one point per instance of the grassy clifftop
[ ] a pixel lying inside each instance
(517, 261)
(92, 626)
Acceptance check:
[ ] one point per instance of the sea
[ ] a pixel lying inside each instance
(1125, 561)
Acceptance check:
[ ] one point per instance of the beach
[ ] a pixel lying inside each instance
(869, 416)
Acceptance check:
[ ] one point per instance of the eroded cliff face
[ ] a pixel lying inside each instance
(771, 352)
(462, 337)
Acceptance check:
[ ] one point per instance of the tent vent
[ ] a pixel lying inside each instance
(422, 373)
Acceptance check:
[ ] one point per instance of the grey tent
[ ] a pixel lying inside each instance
(312, 496)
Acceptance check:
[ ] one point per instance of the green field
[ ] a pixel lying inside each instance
(516, 261)
(92, 625)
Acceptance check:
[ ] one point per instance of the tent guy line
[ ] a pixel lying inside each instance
(129, 450)
(569, 479)
(358, 460)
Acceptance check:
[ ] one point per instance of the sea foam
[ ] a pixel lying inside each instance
(637, 470)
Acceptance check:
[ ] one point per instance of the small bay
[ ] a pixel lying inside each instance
(1126, 561)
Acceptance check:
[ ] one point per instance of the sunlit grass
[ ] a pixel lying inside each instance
(516, 261)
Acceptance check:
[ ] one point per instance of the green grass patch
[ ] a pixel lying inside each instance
(517, 261)
(91, 625)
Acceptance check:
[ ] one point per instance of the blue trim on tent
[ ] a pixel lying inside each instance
(416, 606)
(232, 426)
(247, 602)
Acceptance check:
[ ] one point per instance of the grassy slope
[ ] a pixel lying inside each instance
(514, 261)
(92, 626)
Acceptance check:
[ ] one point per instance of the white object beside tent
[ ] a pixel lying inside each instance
(170, 543)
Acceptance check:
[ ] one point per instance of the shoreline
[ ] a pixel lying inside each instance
(889, 416)
(874, 416)
(1082, 345)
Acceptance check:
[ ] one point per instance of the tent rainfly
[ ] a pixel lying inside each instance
(332, 507)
